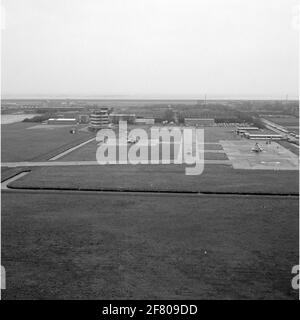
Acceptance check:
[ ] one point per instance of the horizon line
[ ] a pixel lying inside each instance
(151, 97)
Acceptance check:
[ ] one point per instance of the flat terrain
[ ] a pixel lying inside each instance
(215, 178)
(274, 156)
(88, 152)
(294, 129)
(20, 143)
(236, 240)
(212, 135)
(293, 148)
(215, 134)
(284, 121)
(95, 246)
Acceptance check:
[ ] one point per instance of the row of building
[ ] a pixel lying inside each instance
(102, 119)
(251, 133)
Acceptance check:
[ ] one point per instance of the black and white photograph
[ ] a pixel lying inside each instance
(149, 152)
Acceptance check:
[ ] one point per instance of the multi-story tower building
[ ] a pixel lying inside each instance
(99, 119)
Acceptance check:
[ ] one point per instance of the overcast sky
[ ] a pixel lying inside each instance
(149, 48)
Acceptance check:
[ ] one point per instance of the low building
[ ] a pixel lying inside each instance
(263, 136)
(64, 121)
(148, 121)
(201, 122)
(117, 117)
(242, 130)
(247, 128)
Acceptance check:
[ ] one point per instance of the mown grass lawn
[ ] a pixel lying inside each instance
(95, 246)
(215, 178)
(18, 143)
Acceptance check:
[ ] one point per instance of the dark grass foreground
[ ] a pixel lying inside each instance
(95, 246)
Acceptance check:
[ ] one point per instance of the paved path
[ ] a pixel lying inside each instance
(85, 163)
(71, 149)
(5, 183)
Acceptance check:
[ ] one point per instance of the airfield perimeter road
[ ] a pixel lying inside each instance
(82, 163)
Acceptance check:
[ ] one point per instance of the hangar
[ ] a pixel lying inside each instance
(62, 121)
(263, 136)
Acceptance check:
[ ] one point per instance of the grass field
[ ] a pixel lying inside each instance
(294, 129)
(88, 153)
(284, 121)
(212, 136)
(215, 178)
(290, 147)
(213, 146)
(114, 245)
(62, 246)
(215, 134)
(22, 144)
(215, 156)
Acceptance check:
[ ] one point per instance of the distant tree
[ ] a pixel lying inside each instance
(40, 118)
(258, 123)
(169, 115)
(181, 117)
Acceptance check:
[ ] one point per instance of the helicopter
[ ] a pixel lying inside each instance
(257, 148)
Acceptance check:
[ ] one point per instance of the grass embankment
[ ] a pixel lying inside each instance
(215, 178)
(64, 246)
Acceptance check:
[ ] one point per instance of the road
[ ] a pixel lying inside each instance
(84, 163)
(60, 155)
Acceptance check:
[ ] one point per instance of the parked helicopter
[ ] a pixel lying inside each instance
(257, 148)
